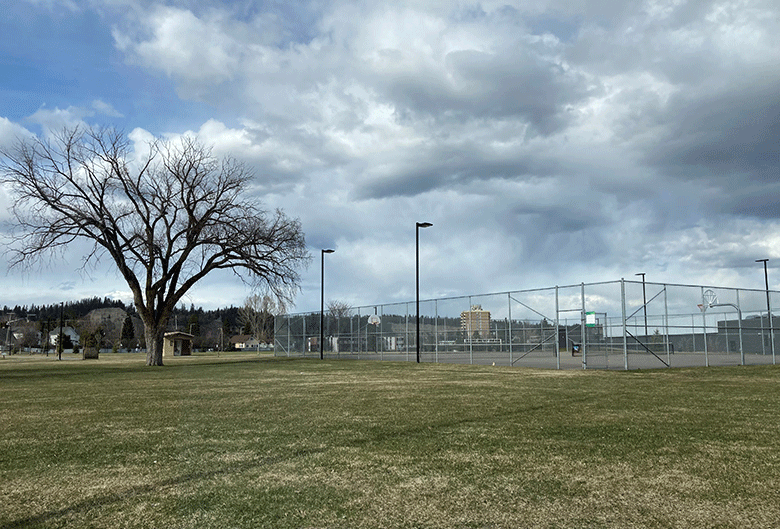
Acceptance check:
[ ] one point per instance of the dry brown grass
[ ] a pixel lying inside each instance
(239, 441)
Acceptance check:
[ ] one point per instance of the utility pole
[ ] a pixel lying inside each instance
(418, 225)
(322, 303)
(59, 340)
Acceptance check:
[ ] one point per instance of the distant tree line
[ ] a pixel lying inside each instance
(71, 309)
(211, 328)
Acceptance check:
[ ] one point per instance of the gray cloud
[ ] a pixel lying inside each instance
(734, 132)
(449, 167)
(759, 201)
(512, 84)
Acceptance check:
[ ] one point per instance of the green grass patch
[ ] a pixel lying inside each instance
(244, 441)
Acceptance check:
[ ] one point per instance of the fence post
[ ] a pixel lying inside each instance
(381, 330)
(623, 312)
(666, 328)
(509, 327)
(436, 330)
(771, 330)
(704, 322)
(470, 336)
(726, 329)
(583, 347)
(763, 341)
(406, 333)
(739, 315)
(557, 332)
(302, 336)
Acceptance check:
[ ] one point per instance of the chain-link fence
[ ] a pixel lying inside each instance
(611, 325)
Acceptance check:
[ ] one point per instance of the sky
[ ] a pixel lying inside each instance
(549, 143)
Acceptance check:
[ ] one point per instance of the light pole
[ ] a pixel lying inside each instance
(644, 300)
(59, 340)
(322, 302)
(8, 334)
(417, 277)
(768, 308)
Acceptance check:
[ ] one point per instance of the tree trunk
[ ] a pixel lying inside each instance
(154, 344)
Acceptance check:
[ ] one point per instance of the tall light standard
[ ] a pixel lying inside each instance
(8, 333)
(59, 340)
(322, 303)
(417, 276)
(644, 300)
(768, 307)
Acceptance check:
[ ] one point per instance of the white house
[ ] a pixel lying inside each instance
(245, 342)
(69, 331)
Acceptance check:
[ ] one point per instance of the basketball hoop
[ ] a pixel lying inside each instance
(702, 307)
(709, 298)
(374, 320)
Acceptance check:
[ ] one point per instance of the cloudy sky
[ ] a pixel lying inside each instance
(549, 142)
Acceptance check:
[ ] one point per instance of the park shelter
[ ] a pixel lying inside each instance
(177, 344)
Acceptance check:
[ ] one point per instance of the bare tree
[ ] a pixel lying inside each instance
(339, 309)
(166, 220)
(340, 313)
(258, 315)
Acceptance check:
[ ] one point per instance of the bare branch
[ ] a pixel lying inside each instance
(258, 313)
(339, 309)
(166, 220)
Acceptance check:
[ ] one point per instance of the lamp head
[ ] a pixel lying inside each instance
(424, 224)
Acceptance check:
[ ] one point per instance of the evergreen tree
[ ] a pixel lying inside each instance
(128, 332)
(193, 324)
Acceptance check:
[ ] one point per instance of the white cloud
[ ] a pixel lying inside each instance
(106, 109)
(53, 120)
(200, 52)
(11, 132)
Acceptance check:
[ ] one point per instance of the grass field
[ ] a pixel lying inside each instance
(243, 441)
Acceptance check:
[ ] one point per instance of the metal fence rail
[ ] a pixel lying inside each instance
(610, 325)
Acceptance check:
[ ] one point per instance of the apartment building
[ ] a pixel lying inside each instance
(475, 320)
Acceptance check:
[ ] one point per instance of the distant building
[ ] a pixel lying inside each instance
(177, 344)
(246, 343)
(475, 320)
(54, 335)
(241, 341)
(756, 337)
